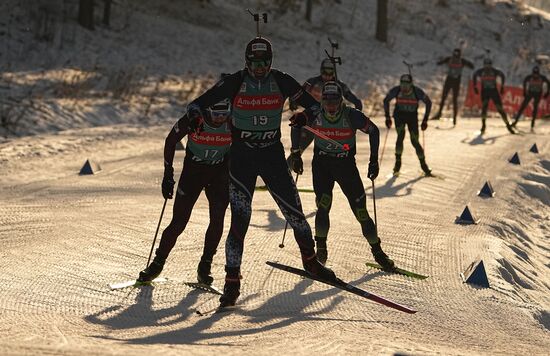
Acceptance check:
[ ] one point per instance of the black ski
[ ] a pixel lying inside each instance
(397, 270)
(204, 287)
(338, 283)
(135, 283)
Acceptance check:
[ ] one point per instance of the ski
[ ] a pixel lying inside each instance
(397, 271)
(338, 283)
(204, 287)
(135, 283)
(431, 175)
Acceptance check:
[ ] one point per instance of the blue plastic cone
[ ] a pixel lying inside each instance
(514, 159)
(89, 167)
(475, 274)
(466, 217)
(534, 148)
(487, 191)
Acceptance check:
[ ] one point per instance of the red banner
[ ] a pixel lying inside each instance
(511, 101)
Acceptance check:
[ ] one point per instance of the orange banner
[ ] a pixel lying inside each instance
(511, 101)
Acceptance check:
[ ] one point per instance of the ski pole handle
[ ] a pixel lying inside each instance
(156, 233)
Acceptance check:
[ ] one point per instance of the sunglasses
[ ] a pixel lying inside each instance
(327, 71)
(259, 64)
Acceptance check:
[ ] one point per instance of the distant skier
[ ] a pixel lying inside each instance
(314, 86)
(334, 161)
(205, 168)
(405, 113)
(258, 93)
(489, 91)
(532, 89)
(455, 63)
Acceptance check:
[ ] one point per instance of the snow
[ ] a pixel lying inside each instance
(113, 96)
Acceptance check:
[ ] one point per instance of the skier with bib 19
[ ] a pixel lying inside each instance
(405, 113)
(456, 64)
(489, 91)
(205, 167)
(258, 93)
(532, 89)
(314, 86)
(334, 161)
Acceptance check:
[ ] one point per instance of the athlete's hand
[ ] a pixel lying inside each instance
(373, 170)
(168, 183)
(388, 122)
(196, 118)
(424, 125)
(295, 162)
(298, 120)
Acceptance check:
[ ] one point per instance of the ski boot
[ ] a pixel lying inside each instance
(454, 121)
(483, 127)
(322, 253)
(153, 270)
(231, 289)
(425, 168)
(381, 258)
(397, 165)
(510, 129)
(436, 116)
(316, 269)
(203, 272)
(513, 124)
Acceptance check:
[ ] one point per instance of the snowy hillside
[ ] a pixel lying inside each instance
(155, 58)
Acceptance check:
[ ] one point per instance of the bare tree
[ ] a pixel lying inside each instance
(309, 5)
(86, 14)
(106, 11)
(382, 20)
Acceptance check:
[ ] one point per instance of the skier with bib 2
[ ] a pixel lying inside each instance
(532, 89)
(334, 162)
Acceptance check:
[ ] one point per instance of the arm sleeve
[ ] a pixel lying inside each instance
(392, 94)
(290, 88)
(361, 122)
(295, 133)
(467, 63)
(179, 130)
(502, 77)
(426, 99)
(225, 88)
(443, 61)
(525, 81)
(351, 97)
(545, 80)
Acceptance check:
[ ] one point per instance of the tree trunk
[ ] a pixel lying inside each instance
(106, 11)
(86, 14)
(309, 5)
(382, 20)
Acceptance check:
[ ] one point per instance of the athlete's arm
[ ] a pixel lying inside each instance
(361, 122)
(290, 88)
(426, 99)
(443, 61)
(225, 88)
(525, 82)
(351, 97)
(477, 73)
(545, 80)
(502, 78)
(179, 130)
(467, 63)
(392, 94)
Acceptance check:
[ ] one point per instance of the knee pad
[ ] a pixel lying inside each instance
(324, 202)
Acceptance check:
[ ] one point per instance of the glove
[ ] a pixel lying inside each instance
(293, 106)
(168, 183)
(388, 122)
(196, 118)
(298, 120)
(424, 125)
(373, 170)
(476, 91)
(295, 162)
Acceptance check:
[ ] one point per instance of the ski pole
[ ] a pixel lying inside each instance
(384, 146)
(345, 147)
(423, 142)
(156, 233)
(282, 244)
(374, 202)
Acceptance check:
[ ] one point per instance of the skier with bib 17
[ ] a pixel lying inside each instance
(456, 64)
(532, 89)
(258, 93)
(205, 168)
(489, 91)
(334, 162)
(314, 86)
(405, 113)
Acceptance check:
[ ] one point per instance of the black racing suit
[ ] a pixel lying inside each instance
(314, 86)
(452, 81)
(489, 91)
(532, 89)
(333, 164)
(197, 174)
(256, 150)
(406, 114)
